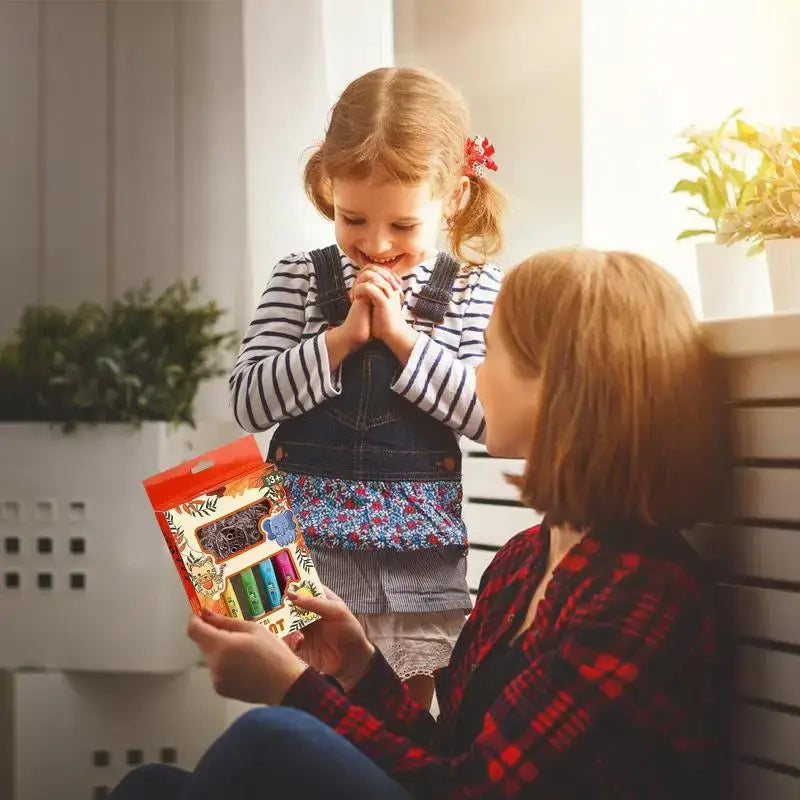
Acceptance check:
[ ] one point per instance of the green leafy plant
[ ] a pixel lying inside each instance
(773, 209)
(724, 175)
(142, 359)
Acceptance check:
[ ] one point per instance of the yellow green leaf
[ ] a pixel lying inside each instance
(694, 232)
(692, 187)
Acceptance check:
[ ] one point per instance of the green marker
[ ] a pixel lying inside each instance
(254, 605)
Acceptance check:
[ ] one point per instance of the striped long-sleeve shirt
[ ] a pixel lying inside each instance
(283, 371)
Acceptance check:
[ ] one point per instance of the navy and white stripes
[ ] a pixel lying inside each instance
(282, 370)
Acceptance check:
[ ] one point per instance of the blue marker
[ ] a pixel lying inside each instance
(270, 583)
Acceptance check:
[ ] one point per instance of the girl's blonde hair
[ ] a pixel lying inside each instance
(408, 125)
(631, 423)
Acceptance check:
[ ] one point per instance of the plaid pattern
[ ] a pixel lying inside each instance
(616, 700)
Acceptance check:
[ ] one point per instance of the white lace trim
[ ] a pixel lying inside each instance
(408, 660)
(415, 643)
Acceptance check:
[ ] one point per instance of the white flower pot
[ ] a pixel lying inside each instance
(783, 260)
(73, 735)
(87, 582)
(732, 284)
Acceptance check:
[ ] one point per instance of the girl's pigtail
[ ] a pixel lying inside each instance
(475, 231)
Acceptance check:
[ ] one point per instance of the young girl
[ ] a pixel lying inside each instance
(365, 352)
(588, 666)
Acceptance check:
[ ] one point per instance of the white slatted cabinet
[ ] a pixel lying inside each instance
(492, 511)
(756, 550)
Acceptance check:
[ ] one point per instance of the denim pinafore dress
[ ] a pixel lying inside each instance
(369, 432)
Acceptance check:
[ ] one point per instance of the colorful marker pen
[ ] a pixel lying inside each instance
(254, 605)
(232, 602)
(270, 583)
(285, 569)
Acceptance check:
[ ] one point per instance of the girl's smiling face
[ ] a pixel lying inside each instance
(386, 222)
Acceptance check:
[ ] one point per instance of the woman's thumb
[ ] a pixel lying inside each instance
(226, 623)
(323, 606)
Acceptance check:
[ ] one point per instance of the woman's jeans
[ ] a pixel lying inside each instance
(268, 753)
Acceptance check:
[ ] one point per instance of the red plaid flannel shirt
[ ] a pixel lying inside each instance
(617, 697)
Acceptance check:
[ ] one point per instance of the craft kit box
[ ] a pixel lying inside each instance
(234, 539)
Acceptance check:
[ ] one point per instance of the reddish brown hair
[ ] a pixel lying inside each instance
(631, 425)
(408, 125)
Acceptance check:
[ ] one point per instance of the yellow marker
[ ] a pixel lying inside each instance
(232, 602)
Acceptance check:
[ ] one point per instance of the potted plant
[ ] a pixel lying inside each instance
(93, 400)
(770, 220)
(724, 174)
(141, 361)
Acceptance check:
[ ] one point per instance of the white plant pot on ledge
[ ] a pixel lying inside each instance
(732, 284)
(87, 582)
(783, 260)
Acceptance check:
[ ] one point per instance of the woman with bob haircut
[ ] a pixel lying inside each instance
(587, 666)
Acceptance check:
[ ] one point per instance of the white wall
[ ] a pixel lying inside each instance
(20, 219)
(652, 68)
(122, 151)
(359, 36)
(585, 100)
(518, 64)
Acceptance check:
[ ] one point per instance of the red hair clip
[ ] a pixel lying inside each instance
(478, 156)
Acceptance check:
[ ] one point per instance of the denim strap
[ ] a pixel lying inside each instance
(332, 296)
(433, 300)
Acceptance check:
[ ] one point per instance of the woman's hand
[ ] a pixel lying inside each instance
(336, 643)
(245, 660)
(383, 290)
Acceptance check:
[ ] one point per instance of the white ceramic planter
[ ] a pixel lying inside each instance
(86, 581)
(74, 736)
(783, 260)
(732, 284)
